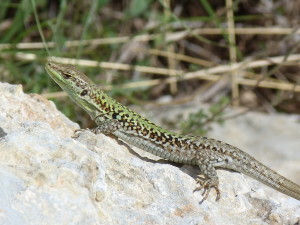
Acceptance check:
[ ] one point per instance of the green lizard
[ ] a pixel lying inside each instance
(114, 118)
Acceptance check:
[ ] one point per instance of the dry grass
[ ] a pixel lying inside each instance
(211, 74)
(190, 55)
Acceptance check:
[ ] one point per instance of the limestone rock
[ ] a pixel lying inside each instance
(47, 177)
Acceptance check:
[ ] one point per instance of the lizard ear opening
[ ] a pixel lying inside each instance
(84, 92)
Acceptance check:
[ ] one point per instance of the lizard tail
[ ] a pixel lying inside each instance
(251, 167)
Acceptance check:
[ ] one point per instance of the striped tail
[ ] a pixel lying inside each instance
(251, 167)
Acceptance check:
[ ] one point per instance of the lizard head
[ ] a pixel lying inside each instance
(77, 85)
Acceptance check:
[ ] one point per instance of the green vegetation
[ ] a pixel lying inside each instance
(199, 123)
(174, 28)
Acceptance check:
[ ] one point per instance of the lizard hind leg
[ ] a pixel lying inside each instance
(207, 180)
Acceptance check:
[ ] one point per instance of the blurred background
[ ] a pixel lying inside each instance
(225, 53)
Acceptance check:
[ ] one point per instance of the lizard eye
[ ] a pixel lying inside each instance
(84, 92)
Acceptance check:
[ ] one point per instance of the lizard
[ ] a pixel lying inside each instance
(132, 128)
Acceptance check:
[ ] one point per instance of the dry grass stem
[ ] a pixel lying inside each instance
(171, 36)
(181, 57)
(232, 52)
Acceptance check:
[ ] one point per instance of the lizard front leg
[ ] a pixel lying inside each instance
(105, 126)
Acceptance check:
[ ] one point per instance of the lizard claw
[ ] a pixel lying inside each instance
(78, 131)
(206, 185)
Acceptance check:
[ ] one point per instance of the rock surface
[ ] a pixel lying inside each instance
(46, 177)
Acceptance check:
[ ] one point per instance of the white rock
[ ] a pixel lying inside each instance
(46, 177)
